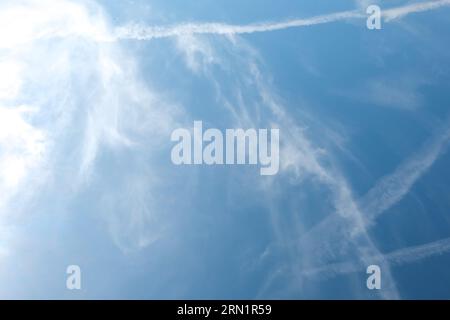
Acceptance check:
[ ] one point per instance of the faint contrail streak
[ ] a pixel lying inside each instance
(139, 32)
(392, 188)
(395, 258)
(399, 12)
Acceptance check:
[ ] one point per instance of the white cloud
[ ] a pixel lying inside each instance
(10, 79)
(22, 148)
(28, 21)
(197, 53)
(67, 96)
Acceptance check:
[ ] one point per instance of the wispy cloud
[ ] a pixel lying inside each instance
(68, 98)
(302, 158)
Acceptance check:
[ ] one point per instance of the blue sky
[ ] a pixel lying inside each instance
(90, 92)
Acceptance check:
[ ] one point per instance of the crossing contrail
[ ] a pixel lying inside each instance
(140, 32)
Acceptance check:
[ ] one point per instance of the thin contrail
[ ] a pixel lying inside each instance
(399, 12)
(139, 32)
(392, 188)
(411, 254)
(395, 258)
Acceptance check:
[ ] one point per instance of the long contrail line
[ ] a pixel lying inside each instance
(139, 32)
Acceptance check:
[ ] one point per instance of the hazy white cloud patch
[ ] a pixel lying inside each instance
(399, 92)
(29, 21)
(68, 99)
(197, 53)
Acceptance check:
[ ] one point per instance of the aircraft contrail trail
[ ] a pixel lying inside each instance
(392, 188)
(139, 32)
(399, 12)
(396, 258)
